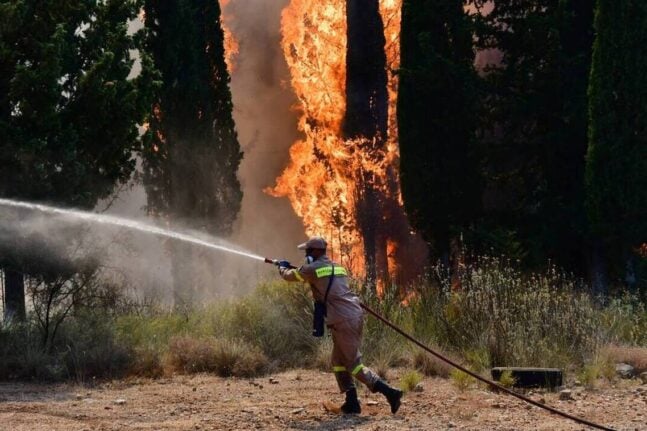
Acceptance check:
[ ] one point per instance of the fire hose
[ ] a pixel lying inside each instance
(491, 383)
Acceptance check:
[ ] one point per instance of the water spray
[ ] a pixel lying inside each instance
(127, 223)
(154, 230)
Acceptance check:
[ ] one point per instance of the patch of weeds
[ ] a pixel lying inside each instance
(410, 380)
(430, 365)
(461, 379)
(507, 380)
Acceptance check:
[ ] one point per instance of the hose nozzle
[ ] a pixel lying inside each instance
(272, 261)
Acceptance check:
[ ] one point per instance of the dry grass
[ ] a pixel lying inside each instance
(634, 356)
(222, 357)
(430, 365)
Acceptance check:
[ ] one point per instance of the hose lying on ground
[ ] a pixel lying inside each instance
(476, 376)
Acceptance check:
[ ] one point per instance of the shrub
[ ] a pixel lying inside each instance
(509, 319)
(222, 357)
(461, 379)
(507, 380)
(430, 365)
(634, 356)
(410, 380)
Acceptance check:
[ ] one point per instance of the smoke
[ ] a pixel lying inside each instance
(54, 243)
(266, 126)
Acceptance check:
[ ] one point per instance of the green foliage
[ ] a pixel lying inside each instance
(192, 153)
(409, 380)
(616, 161)
(461, 379)
(85, 348)
(506, 379)
(536, 60)
(437, 120)
(502, 317)
(68, 112)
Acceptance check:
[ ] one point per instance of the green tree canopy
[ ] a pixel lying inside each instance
(68, 112)
(436, 119)
(534, 124)
(616, 163)
(192, 155)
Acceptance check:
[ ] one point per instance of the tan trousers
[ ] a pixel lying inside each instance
(346, 357)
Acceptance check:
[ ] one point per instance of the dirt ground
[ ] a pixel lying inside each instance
(292, 400)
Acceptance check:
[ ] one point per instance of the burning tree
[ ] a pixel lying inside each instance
(342, 179)
(192, 152)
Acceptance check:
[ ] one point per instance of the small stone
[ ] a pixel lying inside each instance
(371, 403)
(643, 377)
(566, 395)
(625, 371)
(119, 401)
(578, 383)
(297, 411)
(451, 425)
(273, 381)
(79, 396)
(419, 388)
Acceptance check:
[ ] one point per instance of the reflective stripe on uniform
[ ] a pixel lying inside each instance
(326, 271)
(297, 275)
(357, 369)
(338, 369)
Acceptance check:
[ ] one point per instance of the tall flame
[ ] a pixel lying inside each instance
(322, 177)
(230, 42)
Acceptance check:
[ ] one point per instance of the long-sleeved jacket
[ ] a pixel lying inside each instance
(342, 303)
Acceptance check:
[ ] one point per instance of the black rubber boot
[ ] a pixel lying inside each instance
(393, 396)
(351, 406)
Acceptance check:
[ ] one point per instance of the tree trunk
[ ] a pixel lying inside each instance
(14, 296)
(366, 115)
(599, 273)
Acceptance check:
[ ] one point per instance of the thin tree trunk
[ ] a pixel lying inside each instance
(14, 296)
(599, 272)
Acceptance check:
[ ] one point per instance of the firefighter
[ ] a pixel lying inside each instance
(344, 318)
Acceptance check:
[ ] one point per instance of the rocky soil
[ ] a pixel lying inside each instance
(293, 400)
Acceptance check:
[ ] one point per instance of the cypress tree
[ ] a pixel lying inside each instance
(436, 120)
(616, 161)
(535, 125)
(366, 119)
(192, 154)
(68, 110)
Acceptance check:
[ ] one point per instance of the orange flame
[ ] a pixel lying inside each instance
(230, 42)
(324, 170)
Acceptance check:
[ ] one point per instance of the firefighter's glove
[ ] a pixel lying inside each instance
(284, 264)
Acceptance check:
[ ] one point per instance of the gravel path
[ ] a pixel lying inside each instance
(292, 400)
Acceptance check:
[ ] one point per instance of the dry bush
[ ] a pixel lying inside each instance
(634, 356)
(146, 363)
(430, 365)
(222, 357)
(321, 357)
